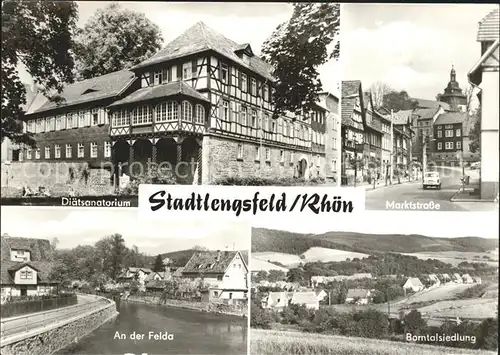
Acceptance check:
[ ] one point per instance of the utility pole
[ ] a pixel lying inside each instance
(391, 170)
(424, 157)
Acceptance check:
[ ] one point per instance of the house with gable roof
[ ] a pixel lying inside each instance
(358, 296)
(225, 273)
(484, 75)
(203, 99)
(414, 284)
(305, 298)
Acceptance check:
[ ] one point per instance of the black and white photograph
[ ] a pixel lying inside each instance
(386, 287)
(88, 281)
(420, 105)
(124, 93)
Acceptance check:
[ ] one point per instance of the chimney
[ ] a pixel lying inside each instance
(218, 255)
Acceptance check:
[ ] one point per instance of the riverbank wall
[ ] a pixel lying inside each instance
(49, 339)
(216, 308)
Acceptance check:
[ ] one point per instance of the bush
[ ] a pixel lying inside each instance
(153, 176)
(259, 181)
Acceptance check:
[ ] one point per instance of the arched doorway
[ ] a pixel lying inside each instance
(166, 156)
(301, 168)
(121, 154)
(143, 151)
(187, 170)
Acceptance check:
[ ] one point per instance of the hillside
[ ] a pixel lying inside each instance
(261, 265)
(267, 240)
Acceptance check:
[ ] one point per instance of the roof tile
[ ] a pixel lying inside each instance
(489, 27)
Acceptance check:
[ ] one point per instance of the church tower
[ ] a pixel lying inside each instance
(453, 94)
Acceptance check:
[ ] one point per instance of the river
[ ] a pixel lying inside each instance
(193, 333)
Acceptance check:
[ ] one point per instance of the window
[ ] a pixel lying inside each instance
(93, 150)
(225, 110)
(95, 117)
(200, 114)
(81, 151)
(68, 151)
(219, 278)
(254, 119)
(26, 274)
(253, 88)
(244, 83)
(107, 149)
(224, 73)
(240, 152)
(449, 145)
(448, 133)
(244, 116)
(28, 154)
(187, 111)
(265, 92)
(458, 132)
(161, 112)
(57, 151)
(257, 153)
(121, 118)
(186, 71)
(268, 154)
(47, 152)
(448, 126)
(459, 145)
(157, 78)
(37, 153)
(75, 120)
(172, 111)
(81, 119)
(167, 75)
(282, 156)
(69, 121)
(142, 115)
(440, 134)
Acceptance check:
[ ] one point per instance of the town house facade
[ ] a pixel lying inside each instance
(204, 101)
(448, 136)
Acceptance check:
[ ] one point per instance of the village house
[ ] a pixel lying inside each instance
(225, 273)
(203, 99)
(414, 284)
(305, 298)
(372, 150)
(445, 278)
(276, 300)
(358, 296)
(422, 124)
(434, 279)
(448, 129)
(477, 280)
(138, 274)
(332, 126)
(320, 295)
(402, 142)
(26, 267)
(456, 278)
(484, 76)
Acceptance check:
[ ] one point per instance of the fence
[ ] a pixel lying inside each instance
(26, 323)
(38, 305)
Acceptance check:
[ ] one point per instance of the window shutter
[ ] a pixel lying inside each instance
(87, 118)
(179, 71)
(239, 79)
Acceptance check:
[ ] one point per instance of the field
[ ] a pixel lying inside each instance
(456, 257)
(474, 308)
(269, 342)
(258, 265)
(282, 258)
(326, 254)
(443, 292)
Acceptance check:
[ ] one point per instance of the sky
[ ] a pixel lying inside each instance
(411, 47)
(241, 22)
(432, 224)
(85, 226)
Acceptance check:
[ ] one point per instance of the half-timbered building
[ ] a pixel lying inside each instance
(201, 108)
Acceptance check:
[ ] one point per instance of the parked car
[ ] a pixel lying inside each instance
(476, 165)
(432, 179)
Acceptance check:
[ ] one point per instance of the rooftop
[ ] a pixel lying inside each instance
(8, 269)
(451, 118)
(357, 292)
(40, 249)
(199, 38)
(489, 27)
(209, 262)
(307, 297)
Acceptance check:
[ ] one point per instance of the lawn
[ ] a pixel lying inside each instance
(264, 342)
(476, 308)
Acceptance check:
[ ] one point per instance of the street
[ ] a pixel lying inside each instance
(412, 192)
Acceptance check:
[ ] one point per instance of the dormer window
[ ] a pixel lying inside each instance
(158, 78)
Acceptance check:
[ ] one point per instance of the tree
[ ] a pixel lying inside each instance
(53, 243)
(115, 39)
(379, 90)
(397, 101)
(296, 49)
(38, 35)
(414, 323)
(475, 134)
(158, 265)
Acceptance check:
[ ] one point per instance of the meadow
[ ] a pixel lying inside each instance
(269, 342)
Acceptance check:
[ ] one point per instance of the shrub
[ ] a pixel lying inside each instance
(260, 181)
(152, 176)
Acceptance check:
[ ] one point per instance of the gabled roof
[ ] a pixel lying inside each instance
(8, 269)
(414, 281)
(307, 297)
(277, 299)
(402, 117)
(424, 103)
(350, 88)
(39, 248)
(451, 118)
(158, 91)
(209, 262)
(425, 113)
(98, 88)
(199, 38)
(475, 74)
(489, 27)
(146, 270)
(357, 292)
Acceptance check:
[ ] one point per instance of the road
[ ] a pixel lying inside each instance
(412, 192)
(19, 324)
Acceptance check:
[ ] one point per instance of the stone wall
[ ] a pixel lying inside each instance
(220, 160)
(56, 177)
(57, 338)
